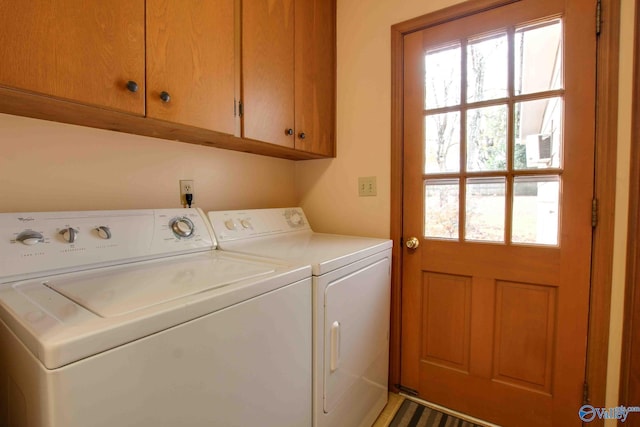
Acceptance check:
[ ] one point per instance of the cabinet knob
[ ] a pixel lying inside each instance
(302, 135)
(165, 96)
(289, 131)
(132, 86)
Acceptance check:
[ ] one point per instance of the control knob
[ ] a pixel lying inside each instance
(104, 232)
(69, 234)
(182, 227)
(246, 223)
(230, 224)
(29, 237)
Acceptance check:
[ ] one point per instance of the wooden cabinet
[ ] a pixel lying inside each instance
(315, 74)
(78, 50)
(267, 71)
(288, 73)
(172, 69)
(88, 51)
(190, 61)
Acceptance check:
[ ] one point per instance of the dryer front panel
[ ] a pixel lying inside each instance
(356, 334)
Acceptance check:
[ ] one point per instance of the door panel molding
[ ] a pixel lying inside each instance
(446, 301)
(525, 314)
(605, 165)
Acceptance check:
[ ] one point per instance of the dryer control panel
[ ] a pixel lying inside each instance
(39, 243)
(246, 224)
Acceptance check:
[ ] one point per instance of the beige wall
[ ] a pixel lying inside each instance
(622, 202)
(328, 189)
(46, 166)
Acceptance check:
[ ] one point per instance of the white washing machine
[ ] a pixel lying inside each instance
(351, 290)
(131, 318)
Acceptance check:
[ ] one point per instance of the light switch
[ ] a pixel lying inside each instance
(367, 186)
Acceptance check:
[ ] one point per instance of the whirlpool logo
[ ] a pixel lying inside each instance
(588, 413)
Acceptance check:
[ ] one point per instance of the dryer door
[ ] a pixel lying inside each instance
(356, 331)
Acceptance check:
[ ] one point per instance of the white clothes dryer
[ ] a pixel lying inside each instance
(351, 291)
(131, 318)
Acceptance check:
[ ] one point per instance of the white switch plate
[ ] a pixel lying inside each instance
(367, 186)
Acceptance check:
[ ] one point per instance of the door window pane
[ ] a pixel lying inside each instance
(442, 77)
(535, 210)
(485, 209)
(441, 208)
(538, 57)
(442, 143)
(487, 68)
(479, 136)
(538, 134)
(487, 138)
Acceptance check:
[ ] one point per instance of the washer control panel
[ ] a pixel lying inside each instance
(245, 224)
(43, 242)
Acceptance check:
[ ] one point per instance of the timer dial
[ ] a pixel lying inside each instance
(182, 227)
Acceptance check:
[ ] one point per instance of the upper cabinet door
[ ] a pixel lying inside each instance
(191, 63)
(267, 71)
(81, 50)
(315, 71)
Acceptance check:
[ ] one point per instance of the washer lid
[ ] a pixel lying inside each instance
(110, 292)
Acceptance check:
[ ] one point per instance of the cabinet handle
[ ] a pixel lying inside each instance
(289, 131)
(302, 135)
(132, 86)
(165, 96)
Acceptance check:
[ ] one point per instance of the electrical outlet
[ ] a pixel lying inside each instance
(186, 187)
(367, 186)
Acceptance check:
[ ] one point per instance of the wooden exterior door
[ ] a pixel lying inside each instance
(498, 188)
